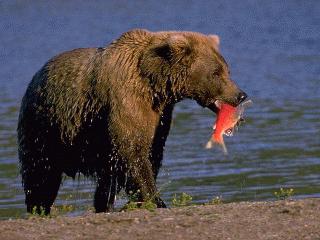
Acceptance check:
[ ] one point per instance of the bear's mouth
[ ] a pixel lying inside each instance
(215, 105)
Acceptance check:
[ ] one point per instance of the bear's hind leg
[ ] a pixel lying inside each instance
(41, 188)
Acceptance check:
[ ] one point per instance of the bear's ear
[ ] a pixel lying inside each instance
(163, 51)
(173, 49)
(158, 60)
(216, 41)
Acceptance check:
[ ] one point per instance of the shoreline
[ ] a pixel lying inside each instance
(283, 219)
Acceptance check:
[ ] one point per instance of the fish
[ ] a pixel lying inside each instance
(228, 118)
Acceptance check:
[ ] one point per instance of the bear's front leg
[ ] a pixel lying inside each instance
(141, 183)
(106, 190)
(141, 180)
(133, 135)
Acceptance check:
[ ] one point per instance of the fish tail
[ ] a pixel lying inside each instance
(211, 142)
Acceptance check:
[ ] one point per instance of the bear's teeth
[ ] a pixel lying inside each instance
(217, 103)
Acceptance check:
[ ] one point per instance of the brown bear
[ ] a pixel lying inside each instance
(106, 112)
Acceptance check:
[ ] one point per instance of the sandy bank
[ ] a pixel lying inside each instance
(246, 220)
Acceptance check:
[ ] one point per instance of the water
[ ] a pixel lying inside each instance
(273, 48)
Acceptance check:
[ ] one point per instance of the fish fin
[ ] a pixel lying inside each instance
(224, 148)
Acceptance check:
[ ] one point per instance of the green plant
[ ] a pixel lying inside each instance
(66, 208)
(134, 203)
(148, 205)
(215, 201)
(283, 193)
(38, 212)
(134, 197)
(183, 200)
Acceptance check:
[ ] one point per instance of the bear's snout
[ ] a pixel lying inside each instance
(241, 97)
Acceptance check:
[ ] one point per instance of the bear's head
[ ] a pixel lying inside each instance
(182, 65)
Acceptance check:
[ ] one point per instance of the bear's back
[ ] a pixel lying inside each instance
(61, 88)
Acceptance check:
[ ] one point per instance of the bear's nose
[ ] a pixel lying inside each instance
(241, 97)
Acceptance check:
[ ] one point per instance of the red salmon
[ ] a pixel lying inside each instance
(227, 118)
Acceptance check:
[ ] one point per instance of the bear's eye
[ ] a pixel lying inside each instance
(217, 71)
(215, 74)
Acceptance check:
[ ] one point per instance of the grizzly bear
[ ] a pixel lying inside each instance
(106, 112)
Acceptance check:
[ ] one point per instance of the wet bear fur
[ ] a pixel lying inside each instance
(106, 112)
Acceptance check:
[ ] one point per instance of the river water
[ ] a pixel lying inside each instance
(273, 48)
